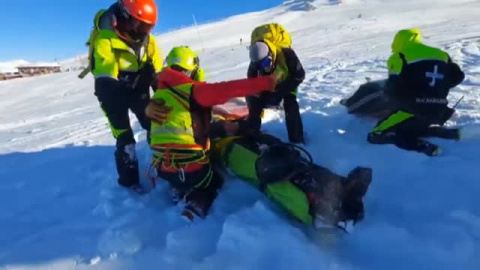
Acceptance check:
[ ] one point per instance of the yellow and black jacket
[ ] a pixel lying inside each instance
(420, 76)
(117, 61)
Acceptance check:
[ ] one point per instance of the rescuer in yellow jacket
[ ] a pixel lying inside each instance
(124, 59)
(420, 78)
(181, 141)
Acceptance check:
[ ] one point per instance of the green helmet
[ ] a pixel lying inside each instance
(404, 38)
(183, 57)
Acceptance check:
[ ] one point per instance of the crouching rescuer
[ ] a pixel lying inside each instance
(286, 173)
(181, 143)
(420, 79)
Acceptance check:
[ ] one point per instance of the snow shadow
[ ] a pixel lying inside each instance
(49, 202)
(65, 204)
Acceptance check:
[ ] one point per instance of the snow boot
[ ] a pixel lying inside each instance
(127, 166)
(428, 148)
(381, 138)
(199, 201)
(194, 210)
(139, 189)
(418, 145)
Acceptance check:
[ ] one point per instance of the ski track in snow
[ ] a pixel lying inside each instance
(60, 206)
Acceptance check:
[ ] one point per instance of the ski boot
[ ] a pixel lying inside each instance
(127, 169)
(139, 189)
(194, 210)
(428, 148)
(198, 203)
(381, 137)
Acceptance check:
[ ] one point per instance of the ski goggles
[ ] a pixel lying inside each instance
(265, 64)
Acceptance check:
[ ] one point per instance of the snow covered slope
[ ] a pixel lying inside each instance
(60, 207)
(11, 66)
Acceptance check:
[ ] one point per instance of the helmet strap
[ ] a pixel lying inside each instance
(182, 70)
(120, 33)
(193, 74)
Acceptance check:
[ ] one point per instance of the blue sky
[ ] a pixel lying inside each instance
(44, 30)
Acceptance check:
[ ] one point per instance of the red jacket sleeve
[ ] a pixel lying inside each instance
(209, 94)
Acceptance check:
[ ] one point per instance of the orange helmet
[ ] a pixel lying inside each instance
(136, 19)
(142, 10)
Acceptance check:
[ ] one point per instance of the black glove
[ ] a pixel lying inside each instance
(145, 77)
(446, 114)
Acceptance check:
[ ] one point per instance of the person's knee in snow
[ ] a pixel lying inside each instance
(196, 185)
(181, 114)
(420, 78)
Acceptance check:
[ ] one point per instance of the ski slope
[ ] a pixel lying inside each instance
(60, 206)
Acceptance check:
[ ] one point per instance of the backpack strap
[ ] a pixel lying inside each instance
(295, 157)
(90, 43)
(404, 60)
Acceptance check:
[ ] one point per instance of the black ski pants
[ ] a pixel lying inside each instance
(405, 130)
(116, 103)
(293, 120)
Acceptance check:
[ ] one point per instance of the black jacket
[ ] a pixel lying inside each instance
(422, 86)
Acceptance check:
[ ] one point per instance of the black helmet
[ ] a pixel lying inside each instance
(281, 162)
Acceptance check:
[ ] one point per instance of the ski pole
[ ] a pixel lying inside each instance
(458, 102)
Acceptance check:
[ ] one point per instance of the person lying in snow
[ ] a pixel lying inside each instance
(285, 172)
(414, 97)
(180, 142)
(310, 193)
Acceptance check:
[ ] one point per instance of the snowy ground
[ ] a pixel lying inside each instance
(60, 207)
